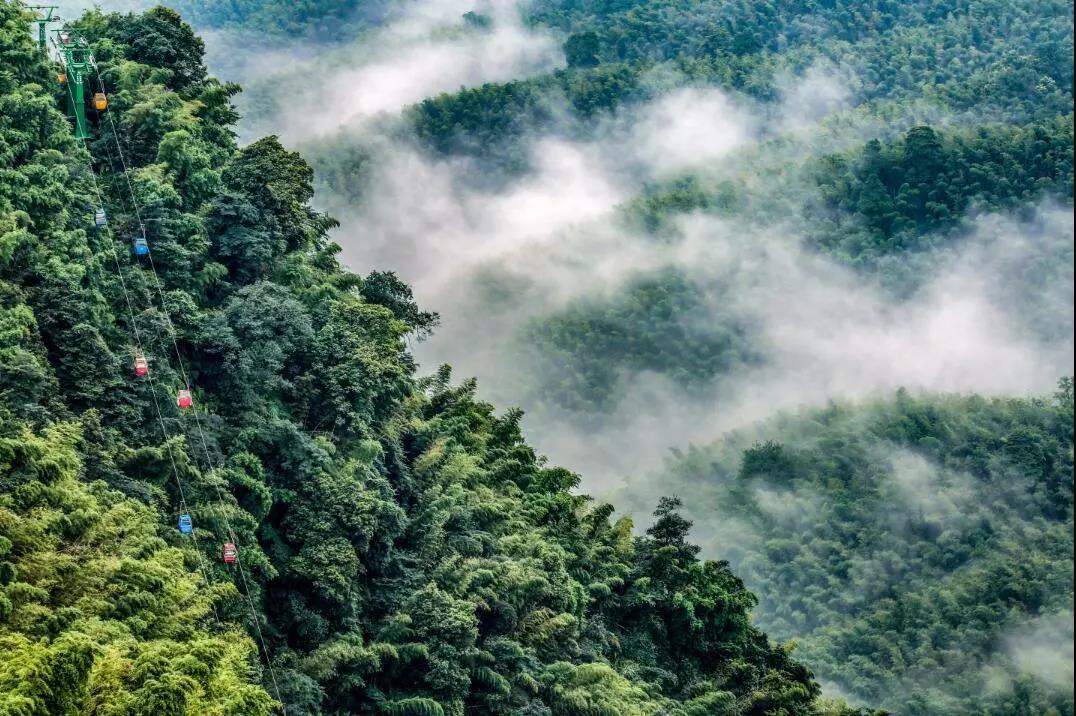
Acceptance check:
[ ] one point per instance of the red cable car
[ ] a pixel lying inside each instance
(229, 553)
(184, 399)
(141, 365)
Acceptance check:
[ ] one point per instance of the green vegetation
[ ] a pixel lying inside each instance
(661, 324)
(909, 547)
(879, 209)
(1005, 60)
(908, 544)
(98, 611)
(973, 54)
(491, 121)
(905, 195)
(325, 20)
(403, 551)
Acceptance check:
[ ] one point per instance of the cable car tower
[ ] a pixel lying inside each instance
(77, 58)
(46, 14)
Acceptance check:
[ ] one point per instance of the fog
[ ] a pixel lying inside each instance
(491, 261)
(304, 89)
(1043, 649)
(991, 312)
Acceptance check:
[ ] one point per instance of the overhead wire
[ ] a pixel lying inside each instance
(110, 238)
(153, 391)
(187, 384)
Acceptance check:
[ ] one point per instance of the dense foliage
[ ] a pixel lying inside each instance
(974, 101)
(903, 195)
(879, 208)
(998, 59)
(953, 109)
(402, 550)
(659, 324)
(882, 208)
(917, 548)
(97, 611)
(324, 20)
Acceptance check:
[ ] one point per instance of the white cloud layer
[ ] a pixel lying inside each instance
(489, 260)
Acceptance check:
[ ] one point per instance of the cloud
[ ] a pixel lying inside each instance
(988, 317)
(1043, 649)
(826, 333)
(808, 98)
(421, 217)
(424, 49)
(925, 490)
(689, 128)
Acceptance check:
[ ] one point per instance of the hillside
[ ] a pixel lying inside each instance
(879, 136)
(399, 548)
(790, 284)
(727, 210)
(918, 549)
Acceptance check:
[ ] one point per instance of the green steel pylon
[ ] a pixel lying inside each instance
(45, 15)
(76, 58)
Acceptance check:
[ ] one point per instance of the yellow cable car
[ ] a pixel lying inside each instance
(100, 101)
(62, 78)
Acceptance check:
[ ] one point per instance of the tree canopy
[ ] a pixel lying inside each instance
(403, 550)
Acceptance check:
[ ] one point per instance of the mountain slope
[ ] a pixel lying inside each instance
(401, 549)
(917, 548)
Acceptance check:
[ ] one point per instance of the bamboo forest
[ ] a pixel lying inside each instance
(536, 358)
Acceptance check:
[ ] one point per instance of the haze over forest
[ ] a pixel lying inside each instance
(509, 261)
(805, 267)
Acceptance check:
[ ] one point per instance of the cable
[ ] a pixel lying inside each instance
(153, 388)
(183, 373)
(152, 384)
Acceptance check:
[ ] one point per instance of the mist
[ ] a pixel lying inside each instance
(991, 310)
(1043, 648)
(492, 261)
(305, 89)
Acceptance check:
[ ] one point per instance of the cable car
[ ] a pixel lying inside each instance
(100, 101)
(62, 78)
(100, 219)
(141, 246)
(185, 524)
(184, 399)
(229, 553)
(141, 365)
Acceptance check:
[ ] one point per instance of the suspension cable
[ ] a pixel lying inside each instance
(183, 372)
(152, 384)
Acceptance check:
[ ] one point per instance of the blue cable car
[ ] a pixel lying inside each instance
(185, 524)
(141, 246)
(100, 220)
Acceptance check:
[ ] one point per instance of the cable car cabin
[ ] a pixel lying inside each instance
(62, 78)
(186, 526)
(141, 366)
(100, 219)
(229, 553)
(100, 101)
(184, 399)
(141, 246)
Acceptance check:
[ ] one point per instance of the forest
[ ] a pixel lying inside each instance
(927, 543)
(977, 123)
(402, 549)
(743, 524)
